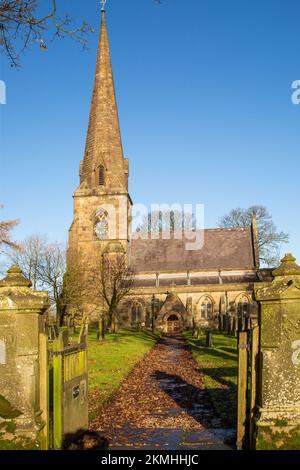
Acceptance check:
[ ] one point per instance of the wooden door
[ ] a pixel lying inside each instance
(173, 324)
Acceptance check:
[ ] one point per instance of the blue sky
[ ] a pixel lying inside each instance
(204, 95)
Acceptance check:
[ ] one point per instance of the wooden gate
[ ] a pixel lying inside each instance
(63, 388)
(248, 376)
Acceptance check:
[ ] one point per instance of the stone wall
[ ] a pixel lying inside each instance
(224, 298)
(21, 323)
(277, 416)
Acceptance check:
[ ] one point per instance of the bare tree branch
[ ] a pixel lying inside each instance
(28, 258)
(270, 239)
(164, 221)
(44, 264)
(110, 283)
(21, 25)
(6, 227)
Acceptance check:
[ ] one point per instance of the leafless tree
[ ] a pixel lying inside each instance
(65, 286)
(23, 22)
(6, 227)
(50, 270)
(28, 258)
(164, 221)
(110, 282)
(73, 294)
(269, 238)
(44, 263)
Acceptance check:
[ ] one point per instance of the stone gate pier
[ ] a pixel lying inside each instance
(22, 323)
(277, 418)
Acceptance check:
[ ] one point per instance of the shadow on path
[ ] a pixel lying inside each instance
(163, 405)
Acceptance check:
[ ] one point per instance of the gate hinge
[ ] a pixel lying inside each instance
(56, 353)
(244, 346)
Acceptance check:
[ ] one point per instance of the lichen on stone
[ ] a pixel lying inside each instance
(7, 411)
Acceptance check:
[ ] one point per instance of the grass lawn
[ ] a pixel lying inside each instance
(219, 367)
(111, 360)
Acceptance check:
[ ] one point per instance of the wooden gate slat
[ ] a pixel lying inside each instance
(44, 388)
(242, 389)
(57, 394)
(69, 388)
(254, 373)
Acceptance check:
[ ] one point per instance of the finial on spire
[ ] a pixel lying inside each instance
(103, 2)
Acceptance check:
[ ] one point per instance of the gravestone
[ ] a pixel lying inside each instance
(21, 323)
(209, 341)
(277, 417)
(233, 331)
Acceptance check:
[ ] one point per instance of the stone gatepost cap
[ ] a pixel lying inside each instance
(288, 267)
(15, 278)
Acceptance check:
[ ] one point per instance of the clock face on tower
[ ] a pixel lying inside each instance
(101, 225)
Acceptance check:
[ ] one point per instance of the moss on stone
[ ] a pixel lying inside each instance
(281, 423)
(11, 427)
(282, 439)
(7, 411)
(18, 444)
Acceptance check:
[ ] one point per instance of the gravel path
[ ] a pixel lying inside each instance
(163, 405)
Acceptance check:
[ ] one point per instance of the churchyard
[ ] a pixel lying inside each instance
(207, 389)
(110, 361)
(147, 330)
(219, 366)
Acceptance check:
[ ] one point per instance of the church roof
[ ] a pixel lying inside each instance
(222, 249)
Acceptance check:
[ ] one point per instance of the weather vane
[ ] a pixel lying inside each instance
(103, 2)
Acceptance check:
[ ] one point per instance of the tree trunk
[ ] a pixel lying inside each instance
(101, 330)
(113, 319)
(60, 315)
(114, 326)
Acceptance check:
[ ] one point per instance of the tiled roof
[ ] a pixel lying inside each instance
(222, 249)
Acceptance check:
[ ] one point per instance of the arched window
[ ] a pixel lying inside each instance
(206, 309)
(243, 307)
(173, 318)
(101, 175)
(136, 313)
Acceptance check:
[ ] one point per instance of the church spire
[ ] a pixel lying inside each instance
(103, 162)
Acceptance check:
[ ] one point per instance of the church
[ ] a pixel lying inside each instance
(173, 286)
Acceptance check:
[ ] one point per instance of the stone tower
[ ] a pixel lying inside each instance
(102, 202)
